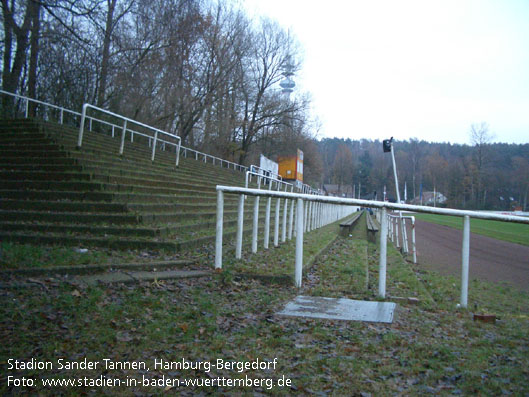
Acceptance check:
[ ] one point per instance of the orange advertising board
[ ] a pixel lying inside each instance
(291, 167)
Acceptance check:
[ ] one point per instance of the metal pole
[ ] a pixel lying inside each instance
(465, 253)
(284, 229)
(255, 225)
(267, 218)
(413, 244)
(240, 223)
(276, 225)
(178, 153)
(383, 253)
(218, 240)
(123, 132)
(299, 243)
(81, 128)
(398, 193)
(291, 219)
(154, 145)
(397, 231)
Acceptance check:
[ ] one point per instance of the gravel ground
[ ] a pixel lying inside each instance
(439, 248)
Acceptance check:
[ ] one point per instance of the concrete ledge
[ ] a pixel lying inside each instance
(91, 269)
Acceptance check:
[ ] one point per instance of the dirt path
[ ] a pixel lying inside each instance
(439, 248)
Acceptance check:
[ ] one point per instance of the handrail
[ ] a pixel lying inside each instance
(206, 156)
(383, 205)
(271, 179)
(125, 121)
(28, 100)
(257, 169)
(77, 114)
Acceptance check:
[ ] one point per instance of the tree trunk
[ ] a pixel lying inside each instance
(106, 53)
(33, 60)
(13, 66)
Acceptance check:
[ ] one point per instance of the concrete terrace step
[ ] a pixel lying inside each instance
(43, 167)
(76, 206)
(120, 243)
(64, 216)
(117, 230)
(43, 175)
(50, 195)
(52, 192)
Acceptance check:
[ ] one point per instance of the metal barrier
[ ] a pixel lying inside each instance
(91, 120)
(126, 120)
(383, 216)
(394, 224)
(214, 159)
(315, 214)
(61, 110)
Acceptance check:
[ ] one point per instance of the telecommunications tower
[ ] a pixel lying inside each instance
(287, 84)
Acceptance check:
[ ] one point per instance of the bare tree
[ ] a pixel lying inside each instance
(480, 137)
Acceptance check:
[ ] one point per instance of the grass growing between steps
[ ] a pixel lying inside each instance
(430, 348)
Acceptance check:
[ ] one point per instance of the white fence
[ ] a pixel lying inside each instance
(153, 140)
(396, 222)
(62, 112)
(312, 215)
(330, 213)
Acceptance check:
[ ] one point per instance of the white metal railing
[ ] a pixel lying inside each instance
(126, 120)
(308, 217)
(64, 111)
(393, 230)
(265, 173)
(61, 110)
(214, 159)
(384, 206)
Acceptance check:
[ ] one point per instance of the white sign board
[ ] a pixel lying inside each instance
(268, 165)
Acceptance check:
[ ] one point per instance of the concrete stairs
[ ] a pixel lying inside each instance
(53, 193)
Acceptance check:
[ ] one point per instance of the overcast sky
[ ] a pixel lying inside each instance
(425, 68)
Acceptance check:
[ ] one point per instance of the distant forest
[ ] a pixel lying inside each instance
(490, 176)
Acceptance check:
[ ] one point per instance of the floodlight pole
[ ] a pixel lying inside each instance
(402, 225)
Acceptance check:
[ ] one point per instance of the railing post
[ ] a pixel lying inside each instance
(62, 115)
(240, 224)
(299, 243)
(413, 244)
(284, 229)
(291, 219)
(397, 231)
(267, 218)
(465, 254)
(154, 145)
(81, 128)
(383, 253)
(27, 107)
(178, 152)
(123, 133)
(218, 239)
(276, 225)
(255, 225)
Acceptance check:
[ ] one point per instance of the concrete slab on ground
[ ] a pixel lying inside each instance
(340, 309)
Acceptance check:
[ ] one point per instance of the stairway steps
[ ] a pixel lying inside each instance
(52, 192)
(67, 206)
(63, 216)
